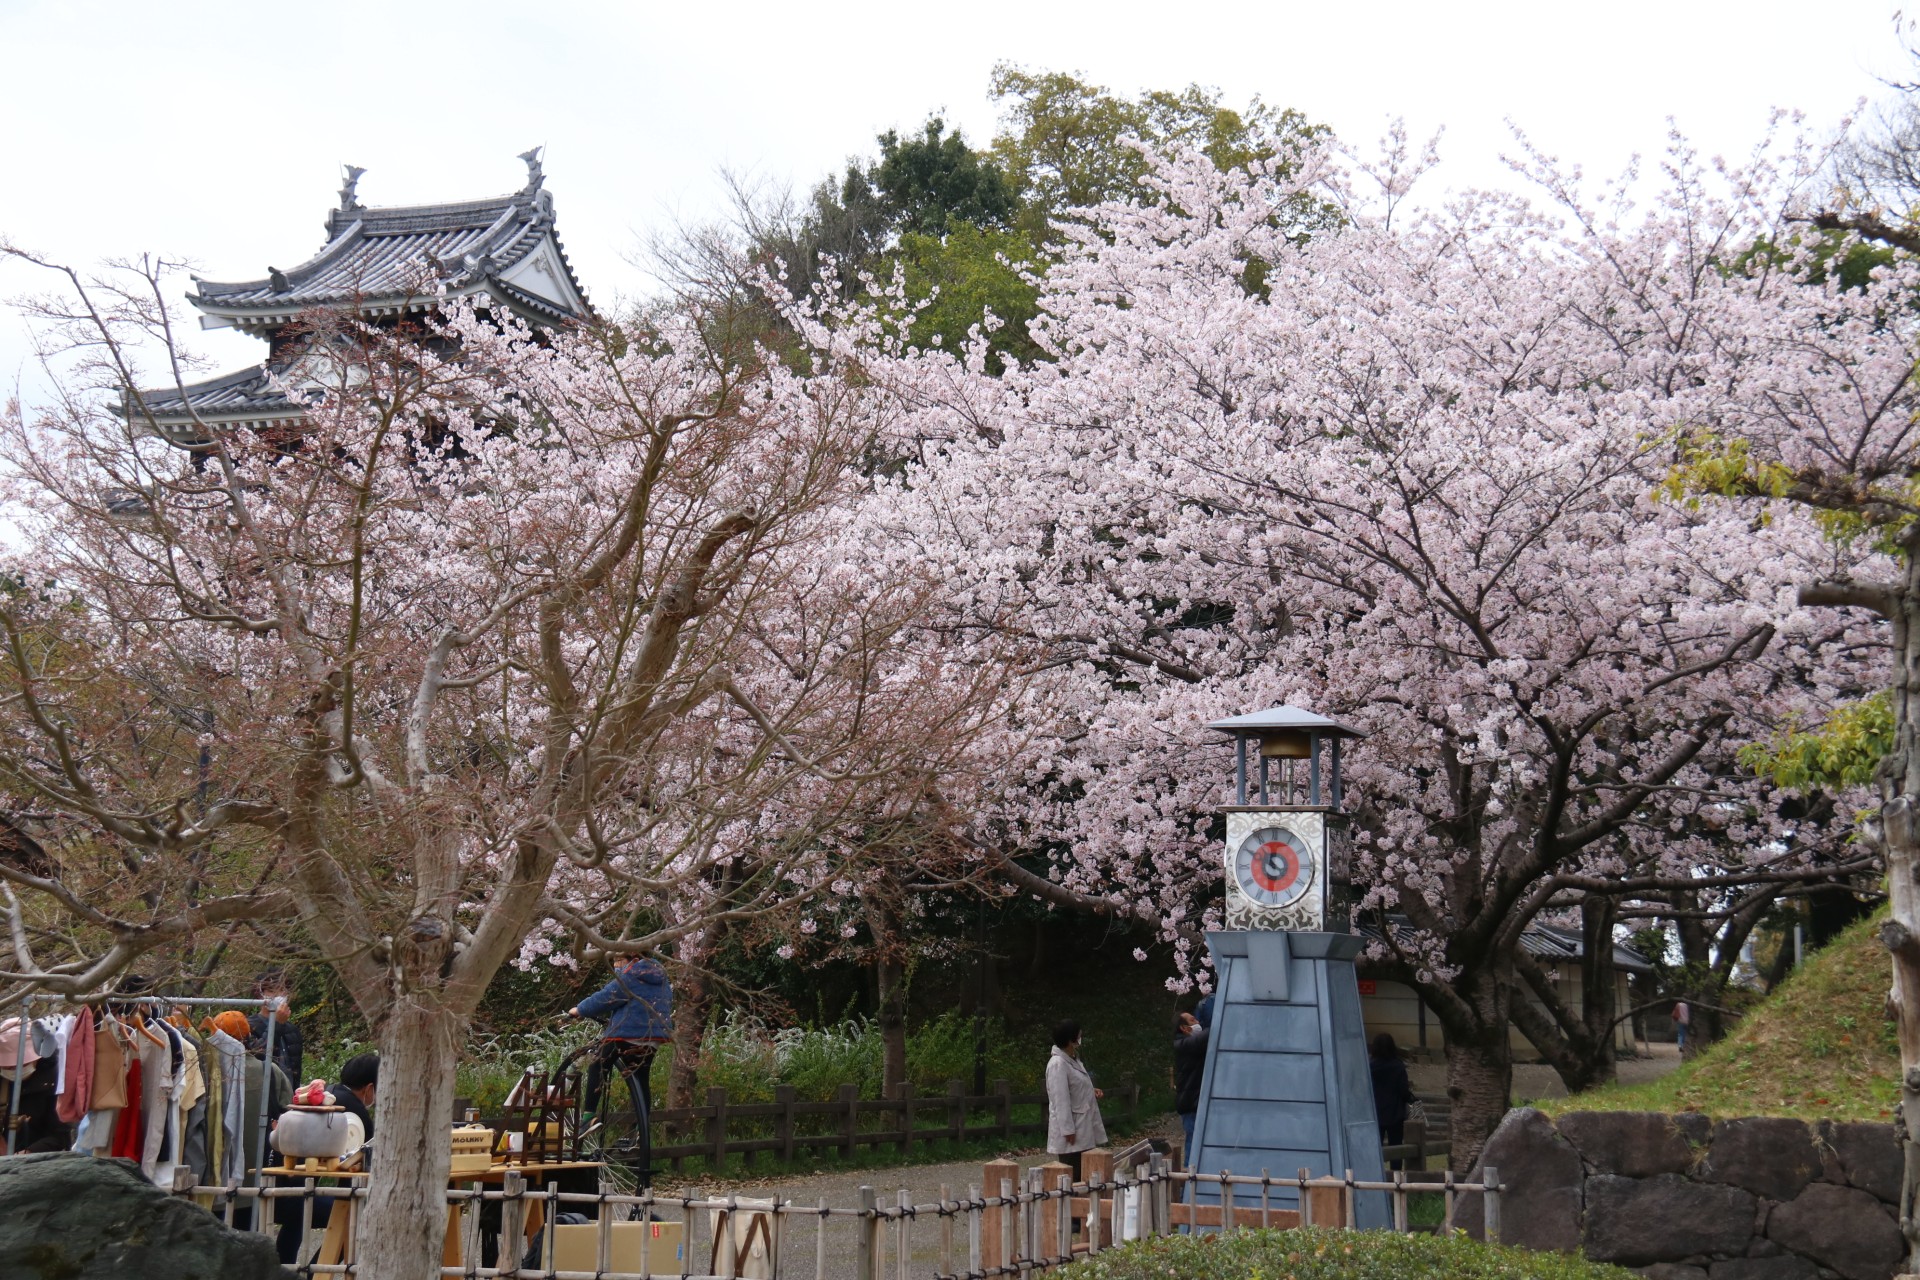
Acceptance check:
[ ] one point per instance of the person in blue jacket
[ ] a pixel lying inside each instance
(637, 1008)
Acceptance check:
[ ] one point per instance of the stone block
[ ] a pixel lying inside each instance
(1769, 1156)
(1541, 1210)
(1632, 1144)
(70, 1215)
(1869, 1156)
(1839, 1227)
(1636, 1221)
(1785, 1267)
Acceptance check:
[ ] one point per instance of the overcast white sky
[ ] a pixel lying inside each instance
(214, 131)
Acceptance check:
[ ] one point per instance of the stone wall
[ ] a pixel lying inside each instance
(1685, 1197)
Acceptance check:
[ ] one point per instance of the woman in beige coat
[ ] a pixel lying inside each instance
(1073, 1104)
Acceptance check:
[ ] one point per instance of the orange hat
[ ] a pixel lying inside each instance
(234, 1023)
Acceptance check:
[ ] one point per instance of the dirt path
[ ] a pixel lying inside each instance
(805, 1237)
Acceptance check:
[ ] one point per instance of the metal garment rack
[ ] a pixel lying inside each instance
(162, 1002)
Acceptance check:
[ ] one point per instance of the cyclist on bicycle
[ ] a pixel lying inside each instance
(637, 1008)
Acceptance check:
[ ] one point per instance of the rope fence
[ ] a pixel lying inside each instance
(1020, 1227)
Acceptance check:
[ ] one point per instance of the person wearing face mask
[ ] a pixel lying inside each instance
(1073, 1104)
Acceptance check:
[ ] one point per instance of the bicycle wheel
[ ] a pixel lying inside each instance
(613, 1119)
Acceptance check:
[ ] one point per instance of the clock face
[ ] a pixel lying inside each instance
(1272, 867)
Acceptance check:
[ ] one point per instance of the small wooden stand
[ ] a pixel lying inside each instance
(542, 1110)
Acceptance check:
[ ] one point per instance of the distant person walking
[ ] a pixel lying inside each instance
(1073, 1104)
(1392, 1091)
(1189, 1065)
(1682, 1023)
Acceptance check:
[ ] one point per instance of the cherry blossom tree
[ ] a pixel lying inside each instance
(1410, 474)
(559, 645)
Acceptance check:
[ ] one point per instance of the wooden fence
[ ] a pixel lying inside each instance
(1004, 1225)
(787, 1127)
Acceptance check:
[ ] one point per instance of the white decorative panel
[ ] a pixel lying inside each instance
(1289, 906)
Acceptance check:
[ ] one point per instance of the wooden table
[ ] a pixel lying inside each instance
(333, 1246)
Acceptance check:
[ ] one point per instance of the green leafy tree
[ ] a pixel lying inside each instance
(933, 183)
(1063, 141)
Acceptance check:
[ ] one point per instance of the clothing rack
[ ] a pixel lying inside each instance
(164, 1002)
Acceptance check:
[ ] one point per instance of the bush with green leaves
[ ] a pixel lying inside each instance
(1313, 1254)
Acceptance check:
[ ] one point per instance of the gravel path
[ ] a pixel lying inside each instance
(841, 1188)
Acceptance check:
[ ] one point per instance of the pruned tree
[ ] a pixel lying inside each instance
(517, 647)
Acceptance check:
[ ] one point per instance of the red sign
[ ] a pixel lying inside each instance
(1368, 986)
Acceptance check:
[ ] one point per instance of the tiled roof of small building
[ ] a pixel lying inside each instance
(408, 257)
(242, 394)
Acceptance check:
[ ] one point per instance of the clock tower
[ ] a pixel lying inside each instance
(1286, 1084)
(1286, 835)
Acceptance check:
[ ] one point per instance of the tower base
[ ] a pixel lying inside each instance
(1286, 1085)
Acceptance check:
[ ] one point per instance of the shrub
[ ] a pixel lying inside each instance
(1313, 1254)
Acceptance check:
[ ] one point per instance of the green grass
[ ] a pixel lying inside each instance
(1820, 1047)
(1314, 1254)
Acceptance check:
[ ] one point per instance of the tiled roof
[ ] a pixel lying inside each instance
(245, 393)
(396, 258)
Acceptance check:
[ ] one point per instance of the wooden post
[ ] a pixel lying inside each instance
(976, 1243)
(717, 1130)
(946, 1232)
(1053, 1215)
(1063, 1217)
(513, 1220)
(850, 1125)
(1490, 1200)
(1003, 1106)
(956, 1110)
(1326, 1203)
(1096, 1167)
(866, 1254)
(906, 1115)
(783, 1094)
(993, 1175)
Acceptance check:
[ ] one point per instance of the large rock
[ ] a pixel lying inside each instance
(66, 1216)
(1839, 1227)
(1633, 1144)
(1673, 1271)
(1768, 1156)
(1783, 1268)
(1667, 1218)
(1869, 1157)
(1544, 1177)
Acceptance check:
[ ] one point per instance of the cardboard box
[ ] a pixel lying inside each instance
(577, 1247)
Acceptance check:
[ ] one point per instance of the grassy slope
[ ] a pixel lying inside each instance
(1820, 1046)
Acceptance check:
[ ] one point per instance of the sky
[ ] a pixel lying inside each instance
(214, 132)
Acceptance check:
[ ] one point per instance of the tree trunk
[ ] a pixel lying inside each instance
(1599, 1005)
(1479, 1069)
(692, 1003)
(890, 991)
(1900, 830)
(403, 1224)
(892, 971)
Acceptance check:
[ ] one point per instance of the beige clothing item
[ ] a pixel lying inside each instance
(110, 1053)
(1071, 1106)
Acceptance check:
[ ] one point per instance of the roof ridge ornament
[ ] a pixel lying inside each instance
(534, 176)
(349, 199)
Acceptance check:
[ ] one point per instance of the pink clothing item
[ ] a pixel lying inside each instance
(76, 1097)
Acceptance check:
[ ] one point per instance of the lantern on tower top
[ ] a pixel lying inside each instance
(1286, 864)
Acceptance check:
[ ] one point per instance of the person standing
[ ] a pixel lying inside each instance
(1682, 1023)
(1189, 1066)
(1073, 1104)
(289, 1046)
(1392, 1091)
